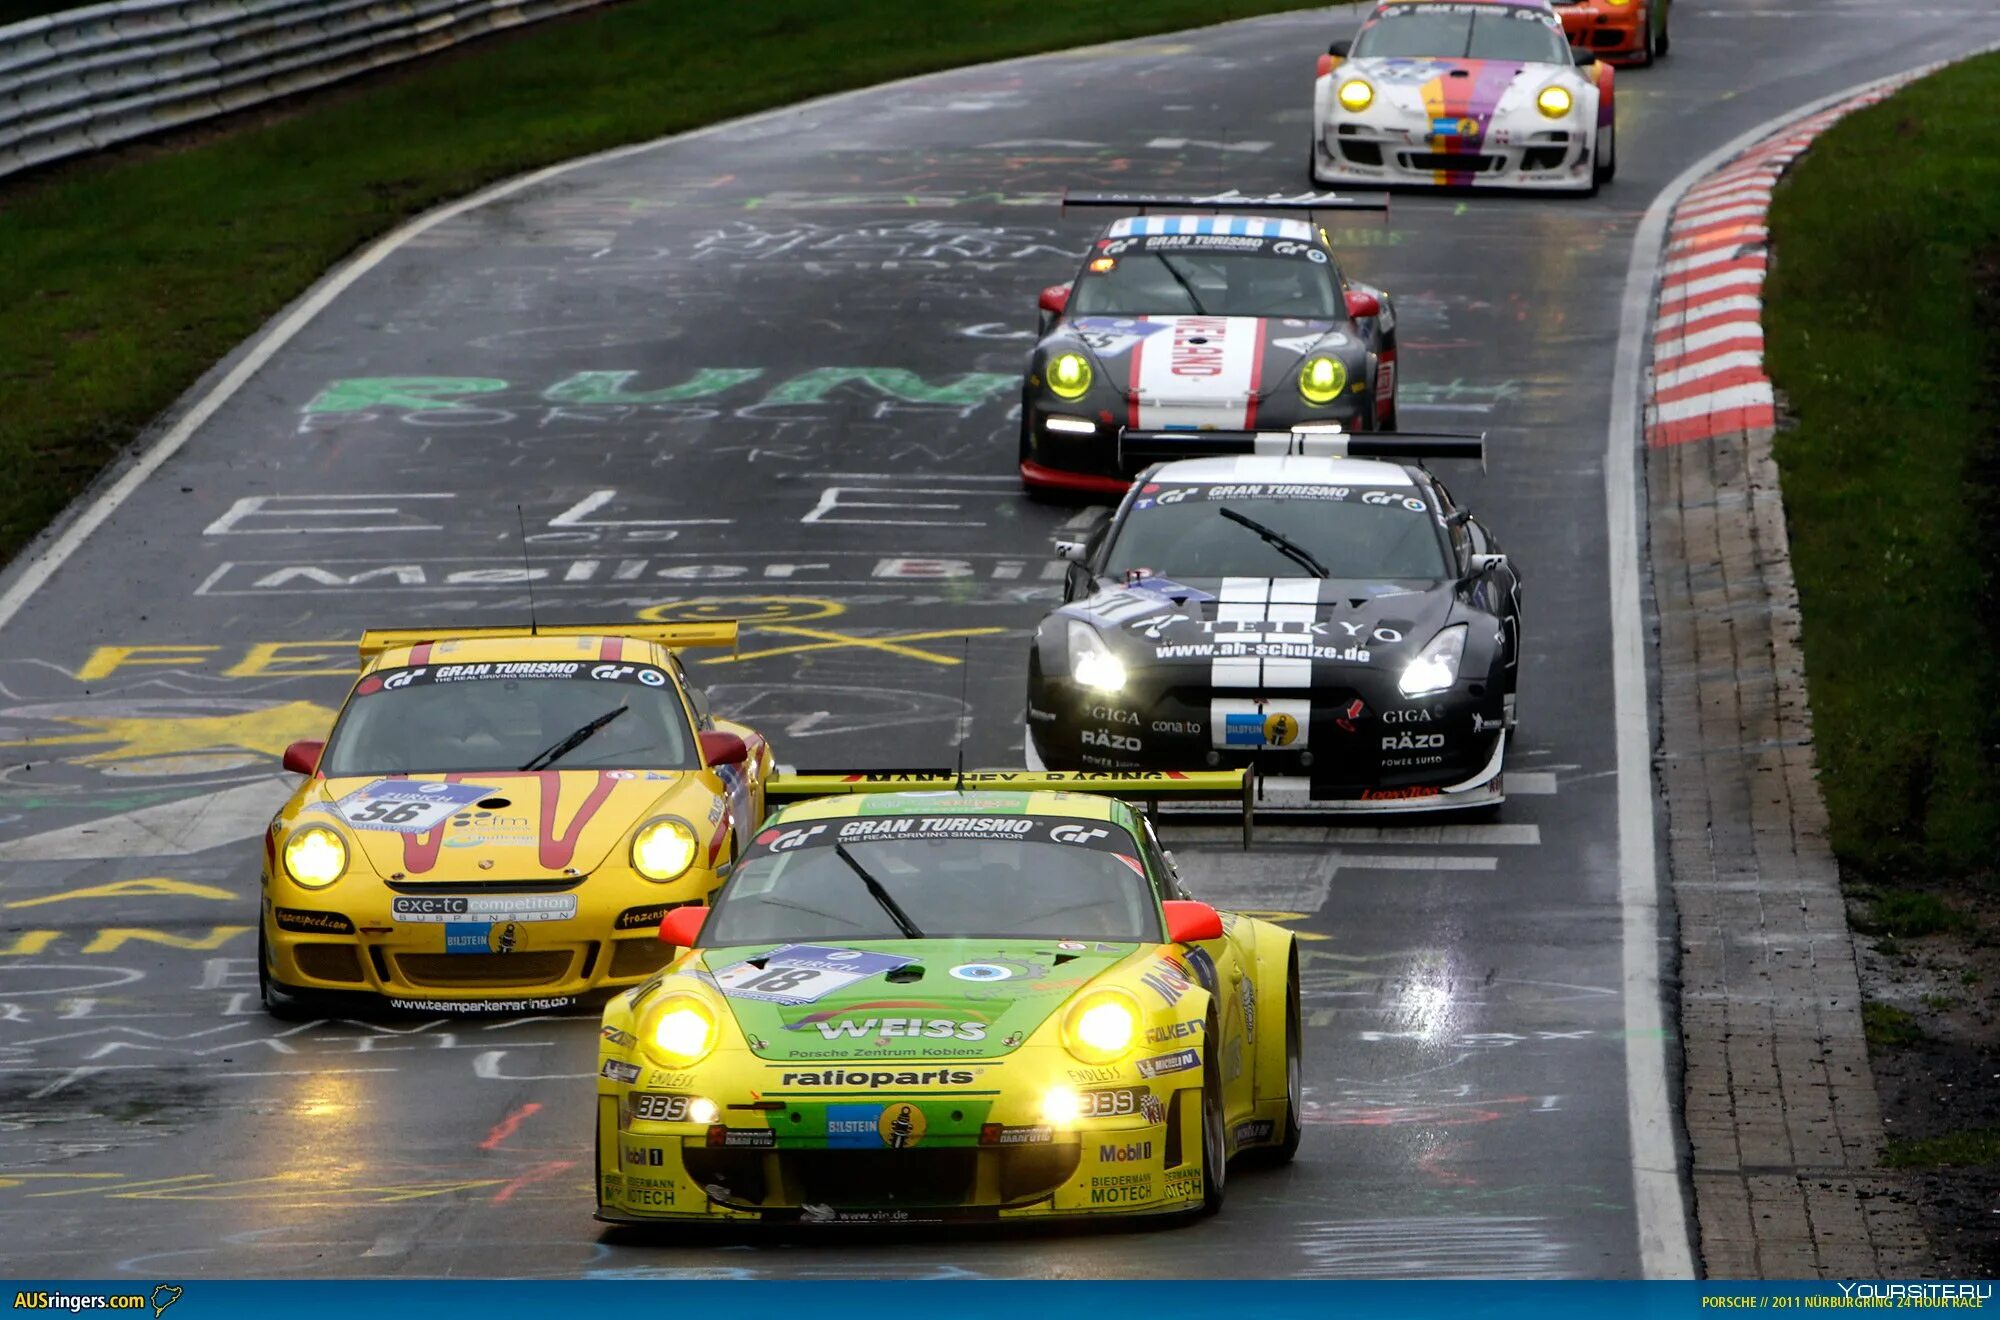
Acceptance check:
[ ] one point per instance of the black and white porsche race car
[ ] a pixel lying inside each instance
(1288, 602)
(1196, 314)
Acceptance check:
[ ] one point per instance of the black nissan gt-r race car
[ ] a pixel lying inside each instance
(1288, 602)
(1197, 315)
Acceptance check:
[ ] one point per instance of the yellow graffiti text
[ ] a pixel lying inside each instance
(147, 886)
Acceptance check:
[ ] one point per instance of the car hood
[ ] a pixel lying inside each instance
(1167, 360)
(929, 999)
(1459, 98)
(1162, 621)
(545, 824)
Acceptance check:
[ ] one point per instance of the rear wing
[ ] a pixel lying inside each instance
(675, 636)
(1231, 200)
(1137, 447)
(1147, 786)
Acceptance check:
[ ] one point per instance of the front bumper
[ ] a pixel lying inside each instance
(350, 943)
(1352, 149)
(979, 1153)
(1611, 32)
(1070, 461)
(1436, 753)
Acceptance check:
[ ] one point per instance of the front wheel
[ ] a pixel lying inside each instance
(1295, 1091)
(1664, 43)
(1604, 157)
(1214, 1140)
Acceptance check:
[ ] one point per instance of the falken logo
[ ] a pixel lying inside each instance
(1129, 1153)
(1412, 742)
(933, 1028)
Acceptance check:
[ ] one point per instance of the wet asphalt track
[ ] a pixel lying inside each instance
(771, 371)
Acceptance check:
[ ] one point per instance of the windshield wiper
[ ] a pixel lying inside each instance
(1284, 545)
(550, 755)
(889, 905)
(1179, 279)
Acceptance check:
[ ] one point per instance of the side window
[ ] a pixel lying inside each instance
(697, 699)
(1461, 542)
(1160, 862)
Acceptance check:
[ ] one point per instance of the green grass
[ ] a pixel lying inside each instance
(1909, 914)
(1976, 1146)
(1881, 324)
(1888, 1027)
(123, 283)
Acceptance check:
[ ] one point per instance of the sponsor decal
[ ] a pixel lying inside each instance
(656, 1108)
(1077, 834)
(452, 909)
(1280, 729)
(1344, 721)
(1117, 742)
(1183, 1183)
(900, 1126)
(544, 1004)
(1168, 979)
(1106, 1074)
(1130, 1152)
(1113, 715)
(1177, 726)
(785, 840)
(315, 923)
(1246, 991)
(1119, 1101)
(1409, 715)
(1173, 1031)
(1254, 1131)
(1480, 724)
(853, 1127)
(999, 1134)
(1396, 794)
(1412, 742)
(1121, 1188)
(1152, 1109)
(618, 1070)
(512, 671)
(403, 806)
(756, 1138)
(641, 918)
(982, 972)
(928, 1028)
(1162, 1064)
(643, 1156)
(650, 1193)
(802, 973)
(480, 937)
(1357, 655)
(859, 1079)
(622, 1039)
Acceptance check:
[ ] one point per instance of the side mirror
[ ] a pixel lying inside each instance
(1339, 49)
(719, 748)
(302, 757)
(1583, 55)
(1073, 551)
(1054, 299)
(1363, 304)
(1188, 922)
(1483, 564)
(682, 926)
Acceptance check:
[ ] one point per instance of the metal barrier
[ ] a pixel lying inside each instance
(76, 81)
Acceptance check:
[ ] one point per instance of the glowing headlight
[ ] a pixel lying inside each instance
(1356, 95)
(681, 1031)
(1322, 379)
(1619, 4)
(1061, 1106)
(701, 1109)
(664, 850)
(1436, 666)
(1555, 102)
(1102, 1027)
(1069, 375)
(315, 856)
(1090, 660)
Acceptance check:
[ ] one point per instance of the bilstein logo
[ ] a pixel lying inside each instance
(901, 1126)
(1280, 729)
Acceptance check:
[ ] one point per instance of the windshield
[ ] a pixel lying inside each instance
(1453, 32)
(954, 877)
(440, 719)
(1207, 275)
(1179, 532)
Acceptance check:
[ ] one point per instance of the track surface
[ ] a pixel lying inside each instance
(830, 309)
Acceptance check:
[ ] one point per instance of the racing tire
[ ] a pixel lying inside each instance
(1604, 158)
(1287, 1148)
(1214, 1136)
(280, 1003)
(1647, 48)
(1665, 42)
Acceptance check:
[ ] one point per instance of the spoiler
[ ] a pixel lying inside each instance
(1136, 785)
(676, 636)
(1136, 447)
(1229, 201)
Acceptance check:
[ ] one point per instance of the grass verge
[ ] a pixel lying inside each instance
(1955, 1150)
(1881, 317)
(1887, 1027)
(122, 283)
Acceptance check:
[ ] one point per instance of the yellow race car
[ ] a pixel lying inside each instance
(991, 1002)
(499, 820)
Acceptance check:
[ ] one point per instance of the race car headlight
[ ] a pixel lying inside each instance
(1356, 95)
(1619, 4)
(1061, 1106)
(315, 857)
(680, 1031)
(1090, 660)
(663, 850)
(1322, 379)
(1101, 1027)
(1436, 666)
(1069, 375)
(1555, 102)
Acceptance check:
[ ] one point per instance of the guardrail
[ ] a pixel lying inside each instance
(79, 80)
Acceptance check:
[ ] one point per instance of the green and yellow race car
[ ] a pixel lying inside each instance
(995, 1001)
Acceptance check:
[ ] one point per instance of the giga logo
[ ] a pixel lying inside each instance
(1129, 1153)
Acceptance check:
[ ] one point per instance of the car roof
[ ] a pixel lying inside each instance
(502, 650)
(1006, 802)
(1284, 468)
(1239, 226)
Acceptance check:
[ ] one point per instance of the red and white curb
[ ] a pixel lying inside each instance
(1708, 328)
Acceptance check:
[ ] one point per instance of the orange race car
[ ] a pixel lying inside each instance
(1617, 31)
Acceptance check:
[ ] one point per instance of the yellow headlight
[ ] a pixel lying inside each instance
(1554, 102)
(1102, 1026)
(1061, 1106)
(680, 1031)
(315, 856)
(1069, 375)
(664, 850)
(1322, 379)
(1619, 4)
(1356, 95)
